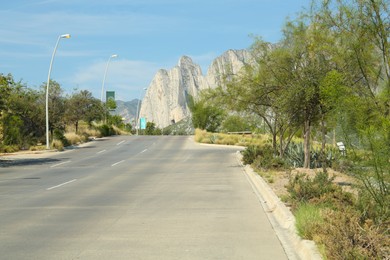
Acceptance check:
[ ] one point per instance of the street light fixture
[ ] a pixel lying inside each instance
(66, 36)
(137, 115)
(105, 73)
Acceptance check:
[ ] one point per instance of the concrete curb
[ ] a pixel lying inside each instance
(281, 218)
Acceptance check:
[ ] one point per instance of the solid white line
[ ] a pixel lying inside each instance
(58, 164)
(62, 184)
(102, 151)
(117, 163)
(120, 142)
(143, 151)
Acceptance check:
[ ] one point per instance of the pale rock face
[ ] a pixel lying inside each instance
(166, 99)
(229, 63)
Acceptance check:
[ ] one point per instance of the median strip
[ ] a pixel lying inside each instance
(62, 184)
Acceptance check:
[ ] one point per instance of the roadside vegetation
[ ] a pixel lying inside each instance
(73, 118)
(324, 87)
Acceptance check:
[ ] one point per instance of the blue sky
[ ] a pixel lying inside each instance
(145, 34)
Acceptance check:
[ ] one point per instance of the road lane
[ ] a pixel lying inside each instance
(169, 198)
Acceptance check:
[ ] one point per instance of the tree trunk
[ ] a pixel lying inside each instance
(306, 143)
(323, 144)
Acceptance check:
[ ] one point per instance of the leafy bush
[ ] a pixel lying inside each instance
(8, 148)
(106, 130)
(266, 159)
(59, 135)
(251, 153)
(303, 188)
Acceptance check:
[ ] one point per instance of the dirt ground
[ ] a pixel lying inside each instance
(278, 180)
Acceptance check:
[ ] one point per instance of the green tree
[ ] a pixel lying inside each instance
(150, 128)
(82, 106)
(205, 116)
(361, 27)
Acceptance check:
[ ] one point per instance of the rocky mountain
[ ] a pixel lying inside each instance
(166, 99)
(127, 110)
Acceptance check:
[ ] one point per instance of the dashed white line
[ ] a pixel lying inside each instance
(102, 151)
(120, 142)
(143, 151)
(62, 184)
(117, 163)
(58, 164)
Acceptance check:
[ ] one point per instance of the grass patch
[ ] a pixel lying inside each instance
(308, 220)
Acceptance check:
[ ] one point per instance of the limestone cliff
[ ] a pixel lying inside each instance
(166, 98)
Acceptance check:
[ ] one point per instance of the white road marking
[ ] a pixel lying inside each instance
(62, 184)
(58, 164)
(143, 151)
(102, 151)
(120, 142)
(117, 163)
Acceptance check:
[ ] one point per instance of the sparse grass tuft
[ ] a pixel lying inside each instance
(57, 144)
(73, 138)
(308, 220)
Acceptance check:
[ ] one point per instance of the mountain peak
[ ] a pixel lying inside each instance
(185, 60)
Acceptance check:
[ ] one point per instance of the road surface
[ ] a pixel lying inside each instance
(133, 197)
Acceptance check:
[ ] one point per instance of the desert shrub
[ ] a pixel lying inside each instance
(72, 138)
(59, 135)
(105, 130)
(250, 154)
(345, 237)
(302, 188)
(266, 159)
(57, 144)
(8, 148)
(369, 208)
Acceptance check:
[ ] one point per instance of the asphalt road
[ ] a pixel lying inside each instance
(132, 197)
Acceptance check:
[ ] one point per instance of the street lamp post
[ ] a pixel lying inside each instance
(105, 73)
(67, 36)
(137, 115)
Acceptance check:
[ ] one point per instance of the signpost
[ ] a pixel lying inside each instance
(142, 122)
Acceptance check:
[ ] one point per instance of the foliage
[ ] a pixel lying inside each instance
(150, 128)
(295, 156)
(82, 106)
(302, 188)
(235, 123)
(250, 153)
(22, 112)
(205, 116)
(105, 130)
(266, 159)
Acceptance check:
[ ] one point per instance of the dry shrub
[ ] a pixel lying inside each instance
(345, 238)
(200, 135)
(73, 138)
(57, 144)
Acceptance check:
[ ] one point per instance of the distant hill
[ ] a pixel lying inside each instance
(127, 110)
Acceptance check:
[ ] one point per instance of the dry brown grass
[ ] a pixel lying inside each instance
(202, 136)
